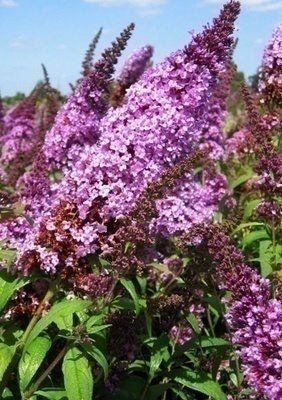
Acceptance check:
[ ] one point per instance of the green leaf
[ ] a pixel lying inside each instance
(155, 391)
(130, 388)
(65, 321)
(124, 303)
(32, 359)
(265, 256)
(160, 267)
(148, 322)
(139, 366)
(131, 289)
(241, 179)
(8, 256)
(142, 281)
(77, 375)
(250, 208)
(98, 356)
(181, 395)
(191, 318)
(247, 225)
(127, 246)
(11, 334)
(159, 353)
(201, 342)
(198, 381)
(104, 263)
(215, 304)
(94, 320)
(58, 311)
(254, 236)
(7, 395)
(53, 393)
(205, 342)
(97, 328)
(6, 355)
(8, 285)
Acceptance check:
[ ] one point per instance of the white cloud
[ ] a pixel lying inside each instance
(8, 3)
(149, 11)
(143, 7)
(21, 43)
(257, 5)
(62, 46)
(136, 3)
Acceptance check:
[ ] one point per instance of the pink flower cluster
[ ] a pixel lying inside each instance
(107, 157)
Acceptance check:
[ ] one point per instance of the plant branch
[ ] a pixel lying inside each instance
(50, 293)
(36, 384)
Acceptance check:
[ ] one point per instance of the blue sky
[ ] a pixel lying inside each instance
(58, 32)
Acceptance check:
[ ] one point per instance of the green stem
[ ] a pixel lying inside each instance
(143, 396)
(273, 242)
(237, 366)
(50, 293)
(109, 295)
(210, 321)
(36, 384)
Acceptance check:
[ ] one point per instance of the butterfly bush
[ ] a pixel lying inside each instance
(252, 314)
(270, 82)
(88, 60)
(108, 156)
(157, 126)
(77, 122)
(2, 114)
(241, 142)
(254, 317)
(131, 71)
(19, 138)
(121, 197)
(135, 65)
(268, 162)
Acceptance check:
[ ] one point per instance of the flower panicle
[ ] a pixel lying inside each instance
(211, 47)
(53, 104)
(270, 81)
(144, 208)
(131, 71)
(254, 119)
(2, 114)
(88, 60)
(77, 122)
(268, 158)
(20, 135)
(25, 109)
(252, 314)
(105, 66)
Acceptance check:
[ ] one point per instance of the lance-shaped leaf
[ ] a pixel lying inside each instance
(198, 381)
(77, 375)
(58, 311)
(8, 285)
(32, 359)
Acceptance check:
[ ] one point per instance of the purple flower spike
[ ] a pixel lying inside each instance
(132, 70)
(2, 113)
(108, 158)
(270, 83)
(19, 139)
(88, 60)
(77, 123)
(135, 66)
(254, 317)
